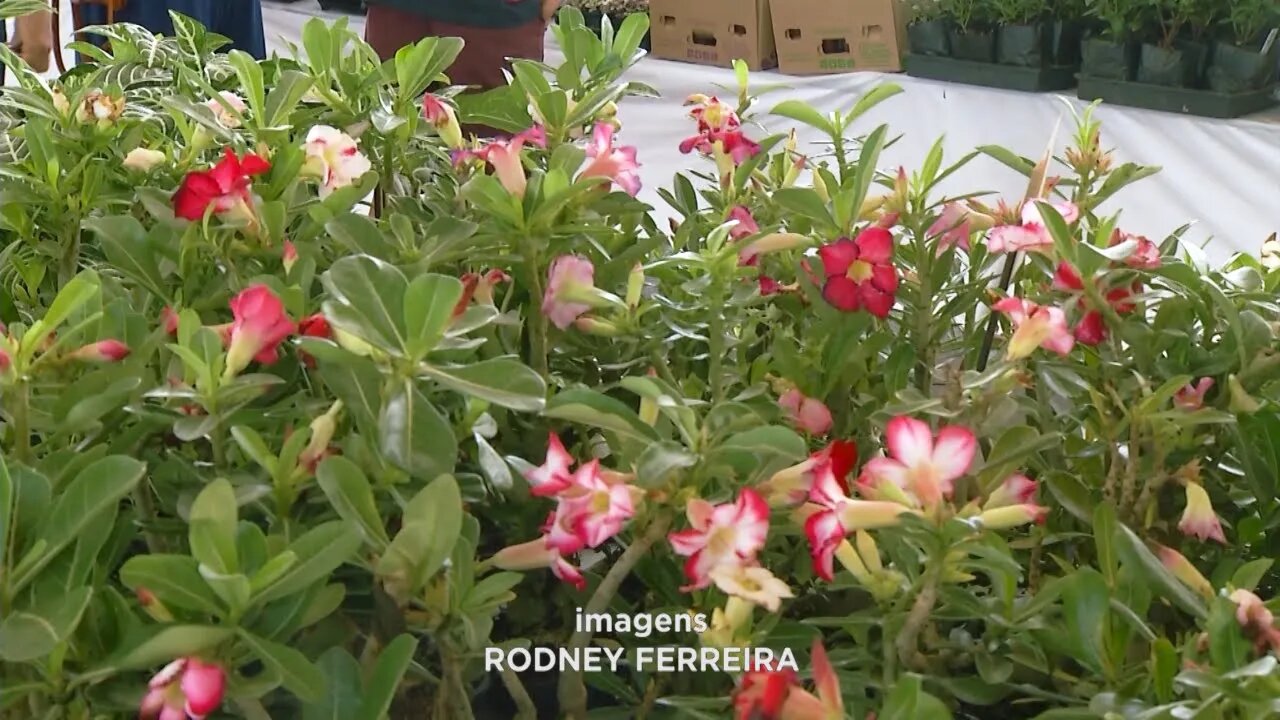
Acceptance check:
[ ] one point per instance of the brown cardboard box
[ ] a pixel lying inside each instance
(816, 37)
(713, 32)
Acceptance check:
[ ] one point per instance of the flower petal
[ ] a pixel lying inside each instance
(953, 454)
(842, 293)
(910, 441)
(838, 256)
(875, 245)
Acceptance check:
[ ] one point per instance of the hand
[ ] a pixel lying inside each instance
(549, 8)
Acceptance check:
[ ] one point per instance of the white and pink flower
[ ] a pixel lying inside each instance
(537, 554)
(186, 688)
(1035, 326)
(1191, 397)
(554, 475)
(335, 158)
(919, 467)
(590, 511)
(615, 164)
(833, 515)
(727, 534)
(1032, 235)
(1198, 519)
(570, 284)
(506, 157)
(809, 415)
(229, 111)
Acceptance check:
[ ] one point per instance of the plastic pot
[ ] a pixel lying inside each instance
(1024, 45)
(929, 37)
(973, 44)
(1171, 67)
(1107, 59)
(1235, 69)
(1067, 36)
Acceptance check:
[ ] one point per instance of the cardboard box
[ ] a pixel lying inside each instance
(713, 32)
(816, 37)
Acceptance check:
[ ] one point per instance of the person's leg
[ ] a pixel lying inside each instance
(33, 39)
(484, 56)
(241, 22)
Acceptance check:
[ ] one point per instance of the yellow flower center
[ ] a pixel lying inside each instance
(749, 584)
(721, 541)
(859, 271)
(600, 502)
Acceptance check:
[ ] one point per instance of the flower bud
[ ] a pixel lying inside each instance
(774, 242)
(1181, 568)
(289, 256)
(635, 286)
(152, 605)
(820, 186)
(143, 160)
(60, 102)
(105, 351)
(99, 108)
(593, 326)
(444, 120)
(351, 343)
(1241, 401)
(322, 430)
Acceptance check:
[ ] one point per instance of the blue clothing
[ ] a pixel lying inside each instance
(238, 20)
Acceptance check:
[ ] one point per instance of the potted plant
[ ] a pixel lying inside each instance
(1068, 30)
(1175, 59)
(1109, 54)
(928, 30)
(973, 34)
(1246, 59)
(1026, 35)
(594, 12)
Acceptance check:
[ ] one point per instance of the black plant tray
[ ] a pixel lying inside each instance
(1205, 103)
(1005, 77)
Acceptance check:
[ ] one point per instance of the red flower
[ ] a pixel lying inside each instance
(223, 188)
(768, 286)
(169, 319)
(860, 273)
(313, 326)
(1092, 328)
(260, 326)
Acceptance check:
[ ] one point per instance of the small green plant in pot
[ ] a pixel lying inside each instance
(928, 32)
(1026, 34)
(1246, 59)
(1177, 59)
(594, 13)
(973, 34)
(1068, 30)
(1110, 54)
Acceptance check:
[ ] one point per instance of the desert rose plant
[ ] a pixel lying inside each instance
(310, 398)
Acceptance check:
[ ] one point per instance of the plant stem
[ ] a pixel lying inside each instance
(909, 638)
(536, 322)
(22, 424)
(70, 258)
(572, 691)
(924, 314)
(1006, 276)
(525, 709)
(715, 343)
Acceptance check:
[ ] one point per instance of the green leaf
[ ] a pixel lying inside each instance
(298, 674)
(251, 83)
(659, 461)
(1164, 668)
(432, 523)
(1250, 575)
(769, 442)
(342, 685)
(803, 112)
(27, 635)
(97, 489)
(354, 379)
(351, 496)
(7, 514)
(213, 527)
(252, 444)
(174, 579)
(413, 434)
(1228, 646)
(290, 87)
(368, 298)
(1086, 604)
(870, 99)
(361, 235)
(1104, 536)
(319, 552)
(81, 289)
(1135, 552)
(902, 701)
(590, 408)
(501, 381)
(124, 242)
(165, 644)
(385, 679)
(428, 307)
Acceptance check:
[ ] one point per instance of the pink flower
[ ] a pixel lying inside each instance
(711, 114)
(103, 351)
(288, 256)
(1035, 326)
(185, 688)
(229, 119)
(835, 515)
(1145, 257)
(1199, 519)
(922, 468)
(169, 320)
(591, 510)
(553, 476)
(442, 117)
(768, 286)
(260, 326)
(1015, 490)
(1011, 516)
(538, 554)
(1092, 328)
(808, 414)
(507, 160)
(768, 694)
(1032, 235)
(726, 534)
(617, 164)
(1191, 397)
(860, 274)
(952, 227)
(6, 362)
(746, 224)
(570, 278)
(1251, 612)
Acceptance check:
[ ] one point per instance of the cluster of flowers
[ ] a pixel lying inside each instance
(592, 505)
